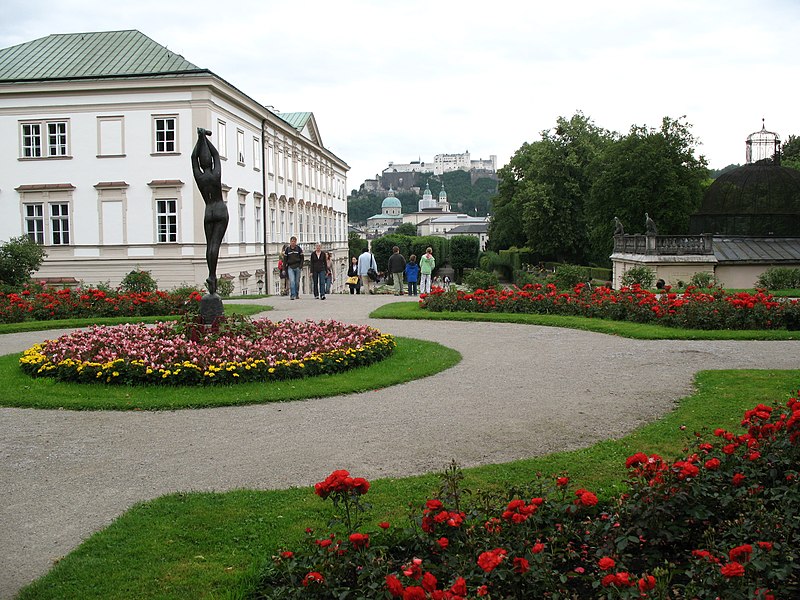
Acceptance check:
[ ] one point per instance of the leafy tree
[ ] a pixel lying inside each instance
(652, 171)
(19, 258)
(355, 244)
(406, 229)
(382, 248)
(139, 281)
(362, 207)
(714, 173)
(790, 152)
(463, 253)
(542, 191)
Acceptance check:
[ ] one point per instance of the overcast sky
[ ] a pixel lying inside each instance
(404, 80)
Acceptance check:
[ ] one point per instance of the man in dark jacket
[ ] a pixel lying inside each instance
(319, 268)
(397, 264)
(293, 259)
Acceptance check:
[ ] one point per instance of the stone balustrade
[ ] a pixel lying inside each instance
(663, 244)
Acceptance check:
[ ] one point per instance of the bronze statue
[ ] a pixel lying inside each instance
(650, 225)
(208, 175)
(618, 228)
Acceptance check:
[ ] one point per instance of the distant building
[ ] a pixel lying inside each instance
(388, 219)
(410, 176)
(444, 163)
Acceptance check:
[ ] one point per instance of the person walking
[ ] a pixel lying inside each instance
(319, 268)
(330, 277)
(412, 274)
(366, 262)
(397, 265)
(426, 266)
(352, 271)
(293, 259)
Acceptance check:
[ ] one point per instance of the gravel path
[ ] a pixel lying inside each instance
(520, 391)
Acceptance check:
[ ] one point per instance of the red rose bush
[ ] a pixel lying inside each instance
(693, 309)
(684, 529)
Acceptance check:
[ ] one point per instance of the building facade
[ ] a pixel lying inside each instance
(100, 128)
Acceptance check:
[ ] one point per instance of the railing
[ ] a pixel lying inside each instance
(663, 244)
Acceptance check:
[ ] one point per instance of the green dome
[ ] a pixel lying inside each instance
(391, 202)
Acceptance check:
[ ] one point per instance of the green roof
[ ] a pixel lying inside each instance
(90, 55)
(298, 120)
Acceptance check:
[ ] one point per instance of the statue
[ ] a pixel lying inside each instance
(650, 225)
(207, 171)
(618, 228)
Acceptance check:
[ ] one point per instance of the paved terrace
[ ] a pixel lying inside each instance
(520, 391)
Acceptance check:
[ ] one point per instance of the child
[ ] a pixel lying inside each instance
(412, 274)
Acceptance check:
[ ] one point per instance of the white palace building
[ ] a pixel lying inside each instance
(99, 128)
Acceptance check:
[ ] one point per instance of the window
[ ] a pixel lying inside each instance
(59, 224)
(300, 226)
(271, 159)
(240, 146)
(34, 222)
(272, 223)
(259, 218)
(165, 134)
(36, 145)
(222, 137)
(167, 220)
(256, 154)
(242, 221)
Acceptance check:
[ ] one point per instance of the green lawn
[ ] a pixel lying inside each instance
(412, 310)
(208, 545)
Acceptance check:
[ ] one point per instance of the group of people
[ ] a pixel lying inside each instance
(363, 272)
(291, 263)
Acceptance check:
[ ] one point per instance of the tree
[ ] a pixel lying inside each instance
(542, 191)
(790, 152)
(463, 253)
(19, 258)
(652, 171)
(406, 229)
(355, 244)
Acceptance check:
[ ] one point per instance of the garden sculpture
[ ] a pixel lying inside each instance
(207, 171)
(618, 228)
(650, 225)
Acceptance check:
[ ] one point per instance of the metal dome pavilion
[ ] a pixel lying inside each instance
(761, 198)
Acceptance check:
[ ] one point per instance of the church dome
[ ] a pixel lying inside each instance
(390, 201)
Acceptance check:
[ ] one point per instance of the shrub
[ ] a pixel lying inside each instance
(779, 278)
(224, 286)
(481, 280)
(568, 276)
(19, 258)
(639, 275)
(703, 279)
(722, 522)
(138, 281)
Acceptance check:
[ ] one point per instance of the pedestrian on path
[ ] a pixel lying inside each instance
(426, 266)
(366, 262)
(319, 269)
(397, 265)
(293, 259)
(412, 274)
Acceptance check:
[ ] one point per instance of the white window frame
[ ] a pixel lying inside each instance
(169, 144)
(242, 219)
(258, 214)
(240, 156)
(50, 139)
(48, 222)
(222, 138)
(166, 220)
(34, 222)
(256, 154)
(273, 227)
(59, 223)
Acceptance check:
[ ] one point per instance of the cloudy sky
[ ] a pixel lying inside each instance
(399, 81)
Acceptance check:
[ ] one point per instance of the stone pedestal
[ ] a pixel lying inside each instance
(211, 308)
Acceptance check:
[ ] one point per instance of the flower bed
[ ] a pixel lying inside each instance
(44, 304)
(186, 354)
(723, 522)
(694, 309)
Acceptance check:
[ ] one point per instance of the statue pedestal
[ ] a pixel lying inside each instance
(211, 308)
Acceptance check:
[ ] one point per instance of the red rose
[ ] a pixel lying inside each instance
(588, 499)
(647, 583)
(414, 593)
(741, 553)
(712, 464)
(738, 478)
(394, 586)
(287, 554)
(488, 561)
(733, 569)
(482, 591)
(359, 540)
(384, 525)
(537, 548)
(313, 577)
(765, 546)
(443, 542)
(606, 563)
(521, 565)
(459, 588)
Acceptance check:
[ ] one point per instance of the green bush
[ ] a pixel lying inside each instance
(224, 287)
(138, 281)
(779, 278)
(644, 276)
(19, 258)
(478, 279)
(568, 276)
(703, 279)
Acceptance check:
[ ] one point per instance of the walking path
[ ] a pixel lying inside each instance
(520, 391)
